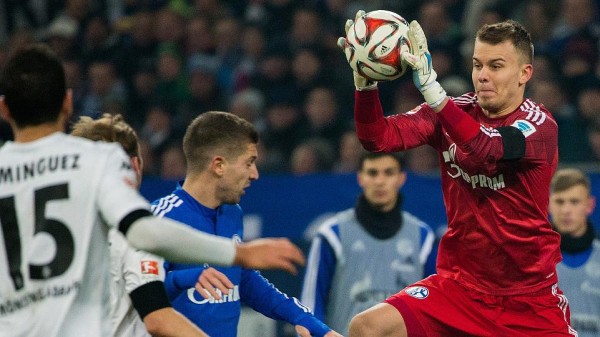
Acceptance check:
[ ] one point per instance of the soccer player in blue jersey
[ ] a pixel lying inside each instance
(221, 152)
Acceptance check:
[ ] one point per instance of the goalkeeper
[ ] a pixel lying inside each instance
(497, 150)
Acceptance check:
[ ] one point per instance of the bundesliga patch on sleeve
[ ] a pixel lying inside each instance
(149, 267)
(525, 127)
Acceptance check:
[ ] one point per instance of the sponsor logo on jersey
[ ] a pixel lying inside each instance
(149, 267)
(417, 292)
(525, 127)
(476, 180)
(233, 296)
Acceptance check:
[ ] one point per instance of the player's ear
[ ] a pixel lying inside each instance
(67, 106)
(4, 112)
(526, 73)
(217, 165)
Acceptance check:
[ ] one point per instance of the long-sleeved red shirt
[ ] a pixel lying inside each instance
(499, 240)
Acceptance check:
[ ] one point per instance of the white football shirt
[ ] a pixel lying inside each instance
(56, 193)
(129, 269)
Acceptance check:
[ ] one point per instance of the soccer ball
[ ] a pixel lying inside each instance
(374, 44)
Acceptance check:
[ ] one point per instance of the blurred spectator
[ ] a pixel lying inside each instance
(538, 18)
(349, 154)
(157, 129)
(576, 17)
(214, 9)
(274, 77)
(19, 10)
(253, 45)
(142, 94)
(138, 48)
(205, 94)
(306, 29)
(441, 31)
(228, 50)
(170, 26)
(61, 36)
(172, 162)
(307, 70)
(314, 155)
(150, 167)
(321, 112)
(285, 130)
(578, 63)
(99, 44)
(594, 140)
(172, 86)
(200, 37)
(107, 93)
(572, 142)
(587, 102)
(249, 104)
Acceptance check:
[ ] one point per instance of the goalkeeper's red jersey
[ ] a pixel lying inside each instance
(499, 240)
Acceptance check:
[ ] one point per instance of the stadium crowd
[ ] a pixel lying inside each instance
(160, 63)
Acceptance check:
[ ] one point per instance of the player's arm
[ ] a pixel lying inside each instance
(120, 204)
(265, 298)
(167, 322)
(177, 242)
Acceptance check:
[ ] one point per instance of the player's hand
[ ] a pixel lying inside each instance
(211, 279)
(360, 82)
(303, 332)
(269, 254)
(419, 59)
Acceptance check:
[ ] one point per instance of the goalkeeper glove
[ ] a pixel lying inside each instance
(360, 82)
(419, 59)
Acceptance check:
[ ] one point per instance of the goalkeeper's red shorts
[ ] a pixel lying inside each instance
(440, 307)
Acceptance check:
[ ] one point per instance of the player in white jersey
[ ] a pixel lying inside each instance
(136, 288)
(56, 193)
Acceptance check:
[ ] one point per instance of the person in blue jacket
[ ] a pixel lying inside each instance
(221, 152)
(341, 277)
(571, 204)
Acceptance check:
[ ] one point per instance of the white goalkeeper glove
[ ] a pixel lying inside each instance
(419, 60)
(360, 82)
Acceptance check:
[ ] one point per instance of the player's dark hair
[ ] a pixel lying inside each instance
(508, 30)
(376, 155)
(33, 85)
(109, 128)
(566, 178)
(216, 133)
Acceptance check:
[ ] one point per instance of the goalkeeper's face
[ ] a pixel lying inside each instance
(499, 76)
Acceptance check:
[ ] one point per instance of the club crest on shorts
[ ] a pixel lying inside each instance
(417, 292)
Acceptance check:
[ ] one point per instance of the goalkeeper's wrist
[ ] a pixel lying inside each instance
(369, 86)
(434, 94)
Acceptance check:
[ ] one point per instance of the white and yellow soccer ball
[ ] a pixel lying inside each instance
(374, 43)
